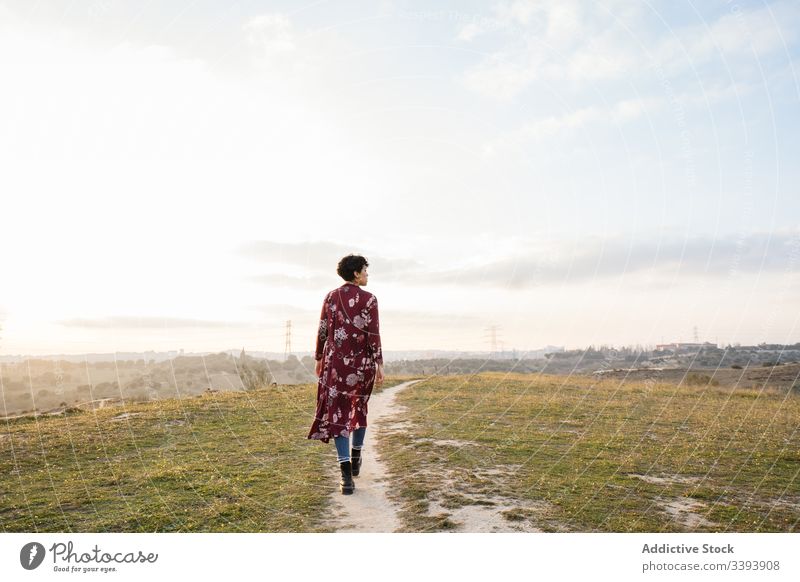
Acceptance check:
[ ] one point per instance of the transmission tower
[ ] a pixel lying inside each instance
(493, 329)
(696, 337)
(288, 346)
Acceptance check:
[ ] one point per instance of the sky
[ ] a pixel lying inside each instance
(186, 175)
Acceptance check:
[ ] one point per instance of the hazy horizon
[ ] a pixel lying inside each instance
(302, 353)
(573, 173)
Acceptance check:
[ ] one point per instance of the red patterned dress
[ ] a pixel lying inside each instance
(349, 340)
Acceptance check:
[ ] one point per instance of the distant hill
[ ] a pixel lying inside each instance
(390, 355)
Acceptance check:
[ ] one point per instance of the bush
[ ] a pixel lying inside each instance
(736, 367)
(695, 379)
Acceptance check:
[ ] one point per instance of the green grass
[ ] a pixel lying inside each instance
(566, 450)
(227, 462)
(573, 444)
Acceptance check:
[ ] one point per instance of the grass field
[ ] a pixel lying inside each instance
(529, 452)
(226, 462)
(558, 453)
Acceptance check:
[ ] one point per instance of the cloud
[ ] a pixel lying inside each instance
(312, 255)
(152, 322)
(284, 309)
(469, 31)
(737, 33)
(547, 18)
(621, 112)
(426, 319)
(316, 261)
(559, 40)
(279, 280)
(272, 34)
(728, 255)
(288, 58)
(531, 263)
(581, 43)
(499, 78)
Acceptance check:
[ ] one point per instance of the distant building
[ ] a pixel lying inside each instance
(684, 346)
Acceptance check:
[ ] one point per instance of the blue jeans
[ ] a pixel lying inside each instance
(343, 443)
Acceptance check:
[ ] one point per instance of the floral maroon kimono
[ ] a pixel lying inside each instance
(349, 340)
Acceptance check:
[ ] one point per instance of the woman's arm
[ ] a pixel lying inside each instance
(322, 330)
(374, 331)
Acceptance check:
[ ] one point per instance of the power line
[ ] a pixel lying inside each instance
(288, 345)
(493, 329)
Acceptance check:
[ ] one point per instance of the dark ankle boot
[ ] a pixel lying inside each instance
(347, 485)
(355, 456)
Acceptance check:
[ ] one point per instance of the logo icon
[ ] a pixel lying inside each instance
(31, 555)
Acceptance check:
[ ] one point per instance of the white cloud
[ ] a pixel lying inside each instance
(499, 78)
(521, 11)
(589, 258)
(131, 165)
(289, 59)
(735, 35)
(624, 111)
(272, 34)
(469, 31)
(580, 43)
(564, 21)
(549, 41)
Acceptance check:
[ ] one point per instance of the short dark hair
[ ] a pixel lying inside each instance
(349, 265)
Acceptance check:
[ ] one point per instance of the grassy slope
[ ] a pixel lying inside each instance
(241, 461)
(228, 462)
(572, 445)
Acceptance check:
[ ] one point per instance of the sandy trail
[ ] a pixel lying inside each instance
(369, 509)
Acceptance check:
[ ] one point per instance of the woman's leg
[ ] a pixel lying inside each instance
(342, 448)
(358, 442)
(342, 445)
(358, 437)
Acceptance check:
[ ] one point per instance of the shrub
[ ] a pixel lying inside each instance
(695, 379)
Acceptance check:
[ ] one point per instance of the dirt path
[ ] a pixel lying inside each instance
(368, 509)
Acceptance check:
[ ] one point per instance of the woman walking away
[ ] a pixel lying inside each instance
(349, 364)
